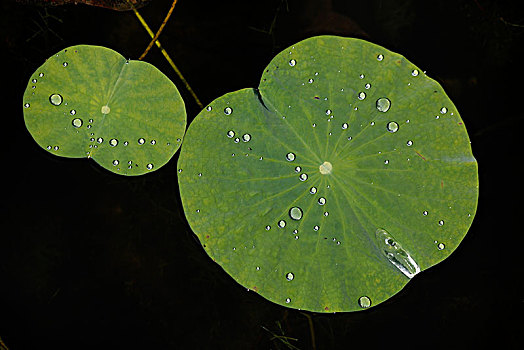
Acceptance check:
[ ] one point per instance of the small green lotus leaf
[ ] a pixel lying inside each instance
(343, 176)
(89, 101)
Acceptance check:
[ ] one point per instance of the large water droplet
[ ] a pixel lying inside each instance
(322, 201)
(290, 156)
(325, 168)
(113, 142)
(364, 302)
(361, 95)
(396, 255)
(230, 133)
(246, 137)
(295, 213)
(141, 141)
(383, 104)
(290, 276)
(392, 126)
(77, 122)
(228, 110)
(55, 99)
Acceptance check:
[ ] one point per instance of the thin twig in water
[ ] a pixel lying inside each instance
(159, 31)
(169, 60)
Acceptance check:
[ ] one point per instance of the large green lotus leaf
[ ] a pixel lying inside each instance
(344, 175)
(89, 101)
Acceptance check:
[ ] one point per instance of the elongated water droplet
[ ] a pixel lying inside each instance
(295, 213)
(396, 255)
(55, 99)
(290, 156)
(383, 104)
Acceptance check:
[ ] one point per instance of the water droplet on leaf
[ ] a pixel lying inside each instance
(395, 253)
(55, 99)
(295, 213)
(383, 104)
(325, 168)
(364, 302)
(392, 126)
(77, 122)
(290, 156)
